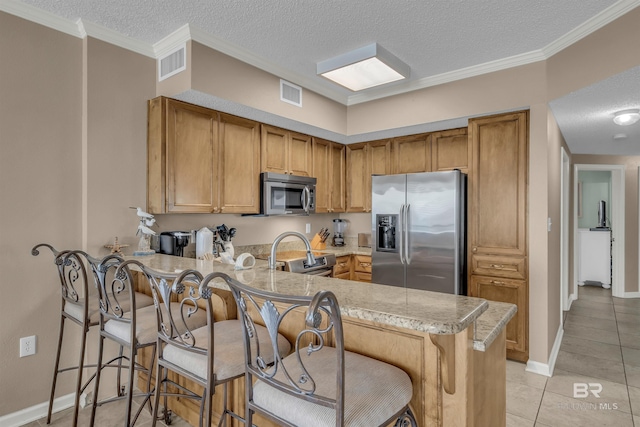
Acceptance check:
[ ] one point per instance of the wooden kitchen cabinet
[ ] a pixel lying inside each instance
(513, 292)
(286, 152)
(200, 160)
(342, 269)
(497, 218)
(239, 170)
(329, 170)
(412, 154)
(364, 160)
(361, 268)
(450, 150)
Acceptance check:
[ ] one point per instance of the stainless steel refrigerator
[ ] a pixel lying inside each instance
(418, 231)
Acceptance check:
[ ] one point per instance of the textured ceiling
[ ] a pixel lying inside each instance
(434, 37)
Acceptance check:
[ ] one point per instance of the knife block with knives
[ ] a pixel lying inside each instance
(318, 241)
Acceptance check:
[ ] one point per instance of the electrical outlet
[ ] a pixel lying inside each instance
(27, 346)
(308, 228)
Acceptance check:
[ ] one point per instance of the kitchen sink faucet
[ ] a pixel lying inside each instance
(272, 258)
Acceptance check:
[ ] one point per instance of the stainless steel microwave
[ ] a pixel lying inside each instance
(287, 194)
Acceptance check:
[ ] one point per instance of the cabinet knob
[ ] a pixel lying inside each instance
(474, 249)
(222, 208)
(365, 264)
(496, 282)
(215, 210)
(497, 266)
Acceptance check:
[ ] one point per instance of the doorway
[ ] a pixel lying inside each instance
(617, 219)
(565, 177)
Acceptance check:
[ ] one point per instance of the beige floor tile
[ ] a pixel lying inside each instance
(573, 344)
(593, 305)
(629, 302)
(614, 394)
(633, 376)
(636, 421)
(630, 341)
(516, 421)
(516, 373)
(592, 366)
(631, 356)
(602, 313)
(592, 322)
(589, 333)
(557, 410)
(634, 398)
(626, 309)
(628, 318)
(629, 328)
(523, 400)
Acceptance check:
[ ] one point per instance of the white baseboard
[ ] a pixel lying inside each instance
(546, 369)
(27, 415)
(570, 300)
(631, 295)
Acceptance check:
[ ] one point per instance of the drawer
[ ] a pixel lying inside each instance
(343, 265)
(362, 263)
(499, 266)
(361, 277)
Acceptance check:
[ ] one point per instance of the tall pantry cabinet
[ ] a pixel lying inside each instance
(497, 220)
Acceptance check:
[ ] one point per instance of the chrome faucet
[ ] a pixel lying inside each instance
(272, 258)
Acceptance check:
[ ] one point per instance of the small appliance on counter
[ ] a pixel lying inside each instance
(364, 240)
(339, 227)
(174, 242)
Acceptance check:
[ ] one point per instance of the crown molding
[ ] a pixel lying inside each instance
(605, 17)
(39, 16)
(83, 29)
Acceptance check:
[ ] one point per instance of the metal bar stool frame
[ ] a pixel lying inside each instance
(73, 275)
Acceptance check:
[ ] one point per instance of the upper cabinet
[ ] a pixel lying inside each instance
(190, 166)
(450, 150)
(329, 170)
(412, 154)
(364, 160)
(286, 152)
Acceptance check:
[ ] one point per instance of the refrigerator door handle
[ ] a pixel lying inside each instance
(407, 228)
(401, 234)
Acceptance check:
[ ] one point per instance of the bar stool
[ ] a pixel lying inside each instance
(317, 385)
(210, 355)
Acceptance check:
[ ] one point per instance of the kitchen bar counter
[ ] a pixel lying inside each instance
(430, 335)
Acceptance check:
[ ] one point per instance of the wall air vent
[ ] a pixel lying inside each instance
(290, 93)
(172, 63)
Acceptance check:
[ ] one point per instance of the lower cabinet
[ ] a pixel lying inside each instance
(361, 268)
(510, 291)
(342, 269)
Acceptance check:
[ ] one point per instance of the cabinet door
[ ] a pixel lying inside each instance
(192, 146)
(337, 174)
(300, 154)
(322, 173)
(274, 149)
(412, 154)
(498, 185)
(450, 150)
(357, 178)
(379, 164)
(239, 165)
(514, 292)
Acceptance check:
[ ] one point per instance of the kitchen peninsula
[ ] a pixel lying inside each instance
(455, 355)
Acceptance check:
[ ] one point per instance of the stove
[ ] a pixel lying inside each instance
(296, 262)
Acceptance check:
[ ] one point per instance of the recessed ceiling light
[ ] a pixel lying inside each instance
(364, 68)
(626, 117)
(619, 136)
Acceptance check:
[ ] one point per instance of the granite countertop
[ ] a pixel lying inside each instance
(489, 325)
(429, 312)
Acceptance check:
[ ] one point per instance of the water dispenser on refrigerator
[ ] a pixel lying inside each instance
(386, 232)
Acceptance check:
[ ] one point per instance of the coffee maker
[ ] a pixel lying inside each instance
(173, 242)
(339, 226)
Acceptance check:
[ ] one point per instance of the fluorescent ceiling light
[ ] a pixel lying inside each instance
(626, 117)
(364, 68)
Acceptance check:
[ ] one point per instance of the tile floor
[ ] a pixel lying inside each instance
(601, 344)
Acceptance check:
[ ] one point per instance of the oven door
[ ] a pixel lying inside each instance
(280, 198)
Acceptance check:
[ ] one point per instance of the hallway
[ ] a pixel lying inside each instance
(601, 345)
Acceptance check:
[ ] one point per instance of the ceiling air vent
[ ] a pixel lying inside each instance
(290, 93)
(172, 63)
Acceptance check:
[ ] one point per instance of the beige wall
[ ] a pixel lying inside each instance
(73, 161)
